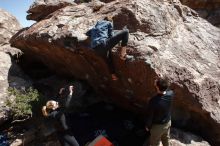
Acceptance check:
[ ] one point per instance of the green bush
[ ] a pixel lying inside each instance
(21, 106)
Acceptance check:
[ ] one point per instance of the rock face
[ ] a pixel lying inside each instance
(208, 9)
(181, 138)
(166, 39)
(10, 73)
(42, 8)
(7, 21)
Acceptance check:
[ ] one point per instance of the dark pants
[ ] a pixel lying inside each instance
(67, 140)
(121, 35)
(105, 49)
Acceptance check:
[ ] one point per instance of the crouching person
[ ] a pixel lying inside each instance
(103, 40)
(52, 110)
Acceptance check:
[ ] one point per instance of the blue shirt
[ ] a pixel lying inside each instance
(100, 32)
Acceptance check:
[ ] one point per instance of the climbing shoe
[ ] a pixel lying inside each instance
(114, 77)
(127, 58)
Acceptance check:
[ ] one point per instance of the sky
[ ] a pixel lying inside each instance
(18, 9)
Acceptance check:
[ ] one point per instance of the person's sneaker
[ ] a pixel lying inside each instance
(114, 77)
(125, 27)
(129, 58)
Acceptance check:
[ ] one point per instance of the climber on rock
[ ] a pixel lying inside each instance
(103, 40)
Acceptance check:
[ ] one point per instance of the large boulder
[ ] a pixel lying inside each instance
(208, 9)
(42, 8)
(10, 73)
(7, 21)
(166, 39)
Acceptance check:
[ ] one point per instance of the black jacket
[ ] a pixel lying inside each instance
(58, 119)
(159, 108)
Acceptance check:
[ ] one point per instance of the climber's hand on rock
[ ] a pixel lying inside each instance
(61, 91)
(146, 128)
(71, 88)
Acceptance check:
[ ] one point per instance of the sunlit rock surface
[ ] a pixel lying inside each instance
(166, 39)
